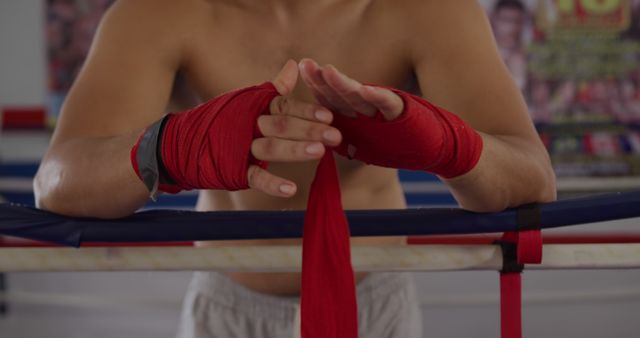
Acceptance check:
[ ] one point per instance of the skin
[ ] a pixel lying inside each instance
(224, 45)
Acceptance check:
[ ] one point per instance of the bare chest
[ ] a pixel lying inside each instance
(236, 50)
(229, 54)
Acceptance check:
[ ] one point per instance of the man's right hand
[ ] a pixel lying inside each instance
(226, 142)
(294, 131)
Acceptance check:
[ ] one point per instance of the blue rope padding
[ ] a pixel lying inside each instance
(173, 225)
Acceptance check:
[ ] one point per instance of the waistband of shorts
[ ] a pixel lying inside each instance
(223, 291)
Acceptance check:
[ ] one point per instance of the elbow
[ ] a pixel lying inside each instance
(496, 203)
(547, 191)
(45, 186)
(538, 185)
(541, 188)
(72, 182)
(536, 180)
(543, 181)
(49, 193)
(56, 191)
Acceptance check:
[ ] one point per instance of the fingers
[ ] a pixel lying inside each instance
(348, 89)
(283, 105)
(299, 121)
(307, 68)
(296, 129)
(278, 150)
(386, 101)
(313, 78)
(270, 184)
(338, 92)
(286, 79)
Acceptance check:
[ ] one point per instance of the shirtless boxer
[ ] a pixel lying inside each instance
(221, 46)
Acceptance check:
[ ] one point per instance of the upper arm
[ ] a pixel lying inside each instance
(459, 68)
(126, 80)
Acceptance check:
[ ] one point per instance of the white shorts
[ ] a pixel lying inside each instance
(217, 307)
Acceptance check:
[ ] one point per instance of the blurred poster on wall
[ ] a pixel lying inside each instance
(576, 62)
(70, 26)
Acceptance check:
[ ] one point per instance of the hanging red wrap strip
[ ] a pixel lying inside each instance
(209, 147)
(328, 300)
(510, 305)
(519, 248)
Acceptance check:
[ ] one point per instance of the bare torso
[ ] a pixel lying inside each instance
(221, 45)
(236, 46)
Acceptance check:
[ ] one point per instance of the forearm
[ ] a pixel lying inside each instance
(511, 171)
(90, 177)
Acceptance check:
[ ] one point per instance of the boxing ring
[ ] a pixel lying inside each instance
(443, 239)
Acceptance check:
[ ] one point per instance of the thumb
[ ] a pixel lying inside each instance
(286, 79)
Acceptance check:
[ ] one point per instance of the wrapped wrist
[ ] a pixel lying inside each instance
(147, 160)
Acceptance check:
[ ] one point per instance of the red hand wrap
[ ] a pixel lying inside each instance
(424, 137)
(209, 146)
(328, 299)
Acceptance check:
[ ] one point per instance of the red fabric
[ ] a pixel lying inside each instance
(209, 146)
(328, 300)
(530, 247)
(132, 156)
(510, 305)
(529, 251)
(424, 137)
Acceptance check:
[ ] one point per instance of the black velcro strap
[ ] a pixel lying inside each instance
(528, 217)
(4, 307)
(509, 257)
(147, 156)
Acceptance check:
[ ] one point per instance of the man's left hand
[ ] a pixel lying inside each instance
(344, 95)
(421, 136)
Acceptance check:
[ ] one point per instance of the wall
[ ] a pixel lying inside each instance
(22, 53)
